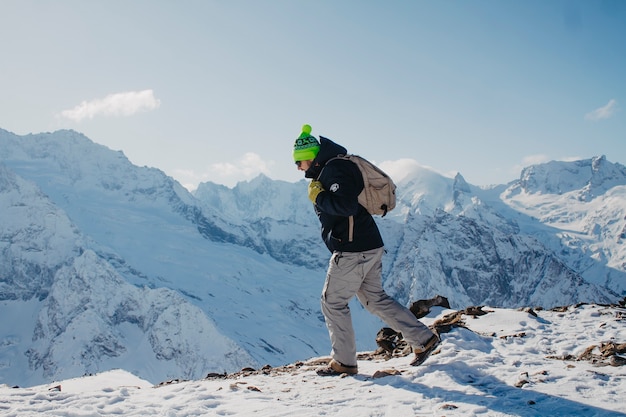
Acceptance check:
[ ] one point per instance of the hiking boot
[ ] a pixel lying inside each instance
(421, 354)
(335, 368)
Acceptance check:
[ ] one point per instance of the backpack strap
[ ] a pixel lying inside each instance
(350, 228)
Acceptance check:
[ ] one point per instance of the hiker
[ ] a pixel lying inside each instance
(355, 266)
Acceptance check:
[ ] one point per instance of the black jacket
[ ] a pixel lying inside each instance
(342, 182)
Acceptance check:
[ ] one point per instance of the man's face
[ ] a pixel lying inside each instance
(303, 165)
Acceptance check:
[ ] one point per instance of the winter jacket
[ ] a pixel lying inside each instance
(342, 182)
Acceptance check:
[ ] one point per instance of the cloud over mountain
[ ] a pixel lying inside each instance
(117, 104)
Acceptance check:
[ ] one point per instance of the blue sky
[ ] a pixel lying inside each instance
(218, 90)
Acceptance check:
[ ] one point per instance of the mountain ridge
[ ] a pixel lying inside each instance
(250, 260)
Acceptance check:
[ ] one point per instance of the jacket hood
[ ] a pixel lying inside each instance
(328, 150)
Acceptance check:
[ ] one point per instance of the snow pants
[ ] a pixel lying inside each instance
(360, 274)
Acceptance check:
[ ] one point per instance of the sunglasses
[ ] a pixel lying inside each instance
(298, 163)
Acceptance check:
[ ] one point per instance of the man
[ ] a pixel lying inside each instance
(355, 266)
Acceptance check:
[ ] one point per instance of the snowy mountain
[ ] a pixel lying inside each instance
(276, 214)
(479, 246)
(105, 264)
(66, 311)
(588, 178)
(583, 219)
(66, 197)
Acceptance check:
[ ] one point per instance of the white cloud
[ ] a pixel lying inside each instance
(528, 161)
(247, 167)
(399, 169)
(118, 104)
(534, 159)
(571, 158)
(405, 167)
(603, 112)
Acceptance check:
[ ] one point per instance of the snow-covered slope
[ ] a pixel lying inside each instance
(467, 244)
(583, 219)
(508, 363)
(79, 330)
(66, 311)
(36, 238)
(87, 238)
(277, 216)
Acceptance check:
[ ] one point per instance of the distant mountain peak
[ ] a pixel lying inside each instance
(460, 184)
(589, 176)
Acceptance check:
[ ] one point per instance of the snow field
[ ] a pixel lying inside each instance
(501, 367)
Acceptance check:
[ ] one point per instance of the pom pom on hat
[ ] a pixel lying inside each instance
(306, 146)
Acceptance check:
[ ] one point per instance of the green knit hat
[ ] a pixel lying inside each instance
(306, 146)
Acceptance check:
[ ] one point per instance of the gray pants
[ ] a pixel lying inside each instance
(359, 273)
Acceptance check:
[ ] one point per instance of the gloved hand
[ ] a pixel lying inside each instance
(315, 187)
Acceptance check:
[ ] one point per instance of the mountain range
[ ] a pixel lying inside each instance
(104, 264)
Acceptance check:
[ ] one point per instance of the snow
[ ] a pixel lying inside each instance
(503, 364)
(595, 227)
